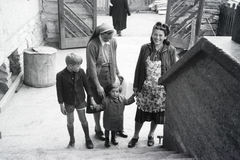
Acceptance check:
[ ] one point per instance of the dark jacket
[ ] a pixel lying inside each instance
(67, 90)
(113, 112)
(168, 58)
(119, 12)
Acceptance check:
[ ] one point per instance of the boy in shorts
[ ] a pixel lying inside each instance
(71, 82)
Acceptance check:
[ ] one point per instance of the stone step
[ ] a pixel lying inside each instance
(143, 153)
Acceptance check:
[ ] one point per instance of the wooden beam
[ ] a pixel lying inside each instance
(199, 19)
(192, 37)
(168, 12)
(8, 95)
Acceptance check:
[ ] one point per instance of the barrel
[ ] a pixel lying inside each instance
(40, 66)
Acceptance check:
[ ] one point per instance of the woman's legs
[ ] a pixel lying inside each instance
(98, 128)
(138, 127)
(153, 127)
(97, 121)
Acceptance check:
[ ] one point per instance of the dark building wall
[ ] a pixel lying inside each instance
(202, 107)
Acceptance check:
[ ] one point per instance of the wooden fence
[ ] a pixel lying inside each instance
(102, 5)
(226, 18)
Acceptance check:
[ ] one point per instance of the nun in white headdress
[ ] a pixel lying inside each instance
(102, 69)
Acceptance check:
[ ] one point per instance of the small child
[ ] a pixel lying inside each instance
(71, 82)
(113, 106)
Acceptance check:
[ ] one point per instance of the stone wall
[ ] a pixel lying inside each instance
(21, 28)
(49, 17)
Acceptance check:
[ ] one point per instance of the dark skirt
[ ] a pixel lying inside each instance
(104, 80)
(157, 117)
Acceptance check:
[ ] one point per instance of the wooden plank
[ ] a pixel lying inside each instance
(61, 23)
(199, 19)
(8, 95)
(192, 37)
(167, 20)
(179, 42)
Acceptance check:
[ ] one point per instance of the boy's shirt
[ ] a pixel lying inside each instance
(70, 86)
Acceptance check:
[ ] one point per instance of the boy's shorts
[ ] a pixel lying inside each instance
(70, 108)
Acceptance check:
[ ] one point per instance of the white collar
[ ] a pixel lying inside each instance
(102, 42)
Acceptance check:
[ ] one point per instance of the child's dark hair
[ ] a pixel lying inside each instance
(114, 85)
(73, 59)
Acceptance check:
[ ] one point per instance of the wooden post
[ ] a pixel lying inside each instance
(199, 19)
(168, 12)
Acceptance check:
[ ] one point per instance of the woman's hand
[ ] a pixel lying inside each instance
(135, 91)
(120, 77)
(100, 91)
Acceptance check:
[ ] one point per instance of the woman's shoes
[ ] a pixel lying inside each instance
(119, 33)
(99, 135)
(132, 143)
(121, 134)
(150, 141)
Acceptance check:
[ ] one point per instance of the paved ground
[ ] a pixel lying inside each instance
(32, 121)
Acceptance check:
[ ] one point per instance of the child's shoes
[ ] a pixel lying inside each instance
(107, 142)
(114, 142)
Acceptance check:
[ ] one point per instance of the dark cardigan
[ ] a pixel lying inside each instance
(168, 58)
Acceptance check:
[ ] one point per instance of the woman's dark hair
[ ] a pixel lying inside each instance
(164, 28)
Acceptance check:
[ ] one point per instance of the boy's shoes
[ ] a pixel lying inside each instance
(107, 142)
(132, 143)
(150, 141)
(99, 135)
(71, 144)
(121, 134)
(114, 142)
(89, 144)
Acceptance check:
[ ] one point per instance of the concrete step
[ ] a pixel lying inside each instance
(143, 153)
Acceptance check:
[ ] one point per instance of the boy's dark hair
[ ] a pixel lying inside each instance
(114, 85)
(73, 59)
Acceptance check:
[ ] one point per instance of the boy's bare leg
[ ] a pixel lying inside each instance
(84, 122)
(70, 127)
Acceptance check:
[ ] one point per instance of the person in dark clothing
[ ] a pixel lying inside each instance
(71, 82)
(113, 106)
(119, 10)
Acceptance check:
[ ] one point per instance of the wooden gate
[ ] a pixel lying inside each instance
(76, 22)
(184, 20)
